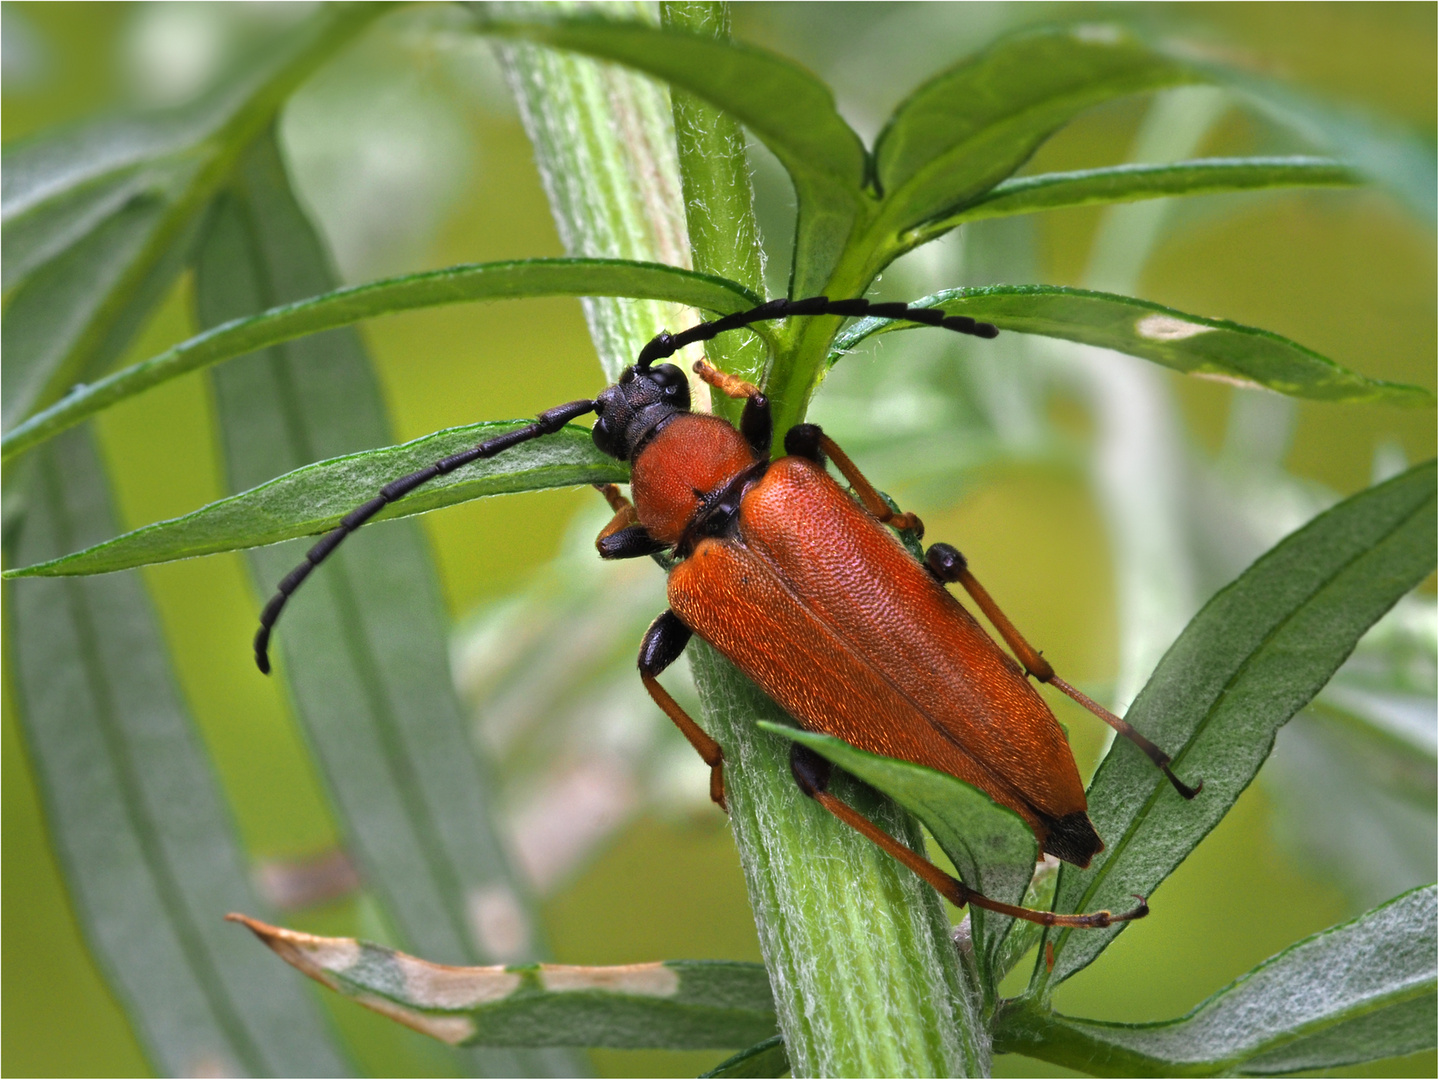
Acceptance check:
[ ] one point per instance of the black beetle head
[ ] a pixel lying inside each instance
(632, 409)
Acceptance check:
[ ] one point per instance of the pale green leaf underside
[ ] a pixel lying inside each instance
(1130, 183)
(676, 1004)
(457, 284)
(1208, 348)
(1356, 992)
(312, 499)
(1256, 654)
(990, 845)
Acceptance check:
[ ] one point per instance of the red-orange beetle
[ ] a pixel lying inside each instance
(804, 588)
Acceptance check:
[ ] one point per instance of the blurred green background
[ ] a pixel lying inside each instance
(409, 156)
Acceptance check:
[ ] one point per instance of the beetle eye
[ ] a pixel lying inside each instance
(667, 376)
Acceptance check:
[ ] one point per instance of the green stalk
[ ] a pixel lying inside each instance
(604, 143)
(718, 199)
(865, 975)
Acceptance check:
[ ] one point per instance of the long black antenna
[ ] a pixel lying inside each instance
(664, 345)
(547, 423)
(660, 347)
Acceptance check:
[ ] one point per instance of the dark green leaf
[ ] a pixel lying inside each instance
(344, 307)
(1255, 655)
(313, 498)
(94, 275)
(767, 1058)
(133, 809)
(1130, 183)
(1360, 991)
(677, 1004)
(969, 127)
(366, 642)
(1208, 348)
(991, 846)
(787, 109)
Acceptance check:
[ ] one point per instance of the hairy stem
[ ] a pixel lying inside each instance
(865, 976)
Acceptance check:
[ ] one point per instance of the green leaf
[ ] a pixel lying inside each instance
(312, 499)
(676, 1004)
(1207, 348)
(93, 264)
(1256, 654)
(768, 1058)
(366, 642)
(39, 232)
(1356, 992)
(968, 128)
(344, 307)
(1130, 183)
(991, 847)
(1387, 151)
(77, 312)
(133, 808)
(788, 109)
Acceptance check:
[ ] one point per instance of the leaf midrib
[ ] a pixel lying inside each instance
(358, 644)
(146, 829)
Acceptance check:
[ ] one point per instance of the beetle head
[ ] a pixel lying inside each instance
(633, 409)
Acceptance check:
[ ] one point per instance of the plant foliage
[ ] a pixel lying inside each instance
(99, 224)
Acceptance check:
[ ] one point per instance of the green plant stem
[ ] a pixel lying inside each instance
(866, 978)
(718, 198)
(604, 143)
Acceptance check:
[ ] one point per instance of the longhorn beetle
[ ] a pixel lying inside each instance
(806, 591)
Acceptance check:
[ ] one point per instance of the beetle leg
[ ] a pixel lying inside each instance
(812, 773)
(756, 423)
(664, 641)
(947, 564)
(625, 515)
(809, 441)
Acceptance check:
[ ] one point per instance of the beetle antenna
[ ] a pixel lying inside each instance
(664, 345)
(547, 423)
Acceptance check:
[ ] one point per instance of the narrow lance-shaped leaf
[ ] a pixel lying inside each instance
(991, 846)
(1131, 183)
(768, 1058)
(788, 109)
(1192, 344)
(365, 642)
(343, 307)
(1356, 992)
(1255, 655)
(314, 498)
(675, 1004)
(76, 311)
(132, 806)
(968, 128)
(1387, 151)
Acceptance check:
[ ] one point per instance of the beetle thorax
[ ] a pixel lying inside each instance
(690, 457)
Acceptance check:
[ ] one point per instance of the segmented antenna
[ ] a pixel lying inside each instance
(662, 346)
(547, 423)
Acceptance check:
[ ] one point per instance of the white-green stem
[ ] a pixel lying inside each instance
(865, 975)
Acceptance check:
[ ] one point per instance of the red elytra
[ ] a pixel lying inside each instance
(808, 591)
